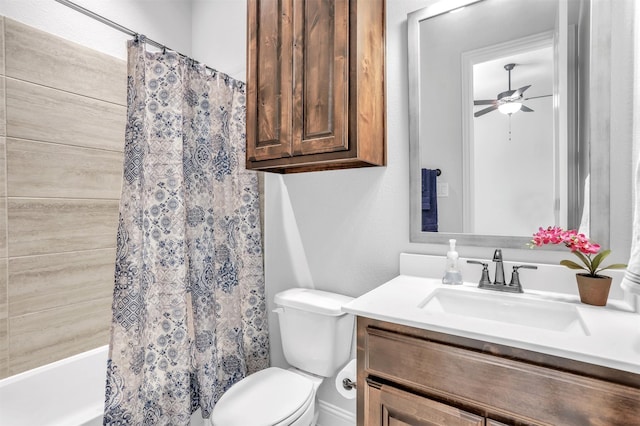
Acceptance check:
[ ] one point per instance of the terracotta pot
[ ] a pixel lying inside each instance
(593, 290)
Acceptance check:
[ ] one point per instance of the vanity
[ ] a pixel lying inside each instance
(430, 354)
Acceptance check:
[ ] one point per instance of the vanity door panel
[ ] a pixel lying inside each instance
(499, 387)
(391, 406)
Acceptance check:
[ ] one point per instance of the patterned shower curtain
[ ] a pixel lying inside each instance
(189, 313)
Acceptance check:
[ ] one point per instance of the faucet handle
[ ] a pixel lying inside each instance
(516, 267)
(484, 279)
(515, 276)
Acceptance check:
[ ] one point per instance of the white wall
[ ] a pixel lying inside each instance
(165, 21)
(219, 35)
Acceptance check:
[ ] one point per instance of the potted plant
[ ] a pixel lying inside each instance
(592, 286)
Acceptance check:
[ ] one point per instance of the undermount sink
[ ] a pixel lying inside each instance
(507, 309)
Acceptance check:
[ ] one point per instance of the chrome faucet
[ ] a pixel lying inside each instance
(499, 283)
(497, 259)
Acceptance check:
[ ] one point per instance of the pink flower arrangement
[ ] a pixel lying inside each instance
(579, 245)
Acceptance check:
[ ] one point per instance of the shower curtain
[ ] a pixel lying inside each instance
(189, 314)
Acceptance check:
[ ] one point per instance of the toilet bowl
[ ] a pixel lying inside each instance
(316, 338)
(271, 397)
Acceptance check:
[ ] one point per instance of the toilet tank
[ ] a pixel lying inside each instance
(316, 334)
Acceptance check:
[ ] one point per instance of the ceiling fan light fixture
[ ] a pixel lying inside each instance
(510, 107)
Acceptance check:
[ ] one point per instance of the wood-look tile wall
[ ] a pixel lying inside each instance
(62, 120)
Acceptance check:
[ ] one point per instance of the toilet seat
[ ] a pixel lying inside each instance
(270, 397)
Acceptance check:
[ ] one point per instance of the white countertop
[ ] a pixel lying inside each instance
(613, 338)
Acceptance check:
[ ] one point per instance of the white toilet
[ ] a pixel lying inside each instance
(316, 338)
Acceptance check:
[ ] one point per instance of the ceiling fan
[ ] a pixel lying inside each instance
(507, 102)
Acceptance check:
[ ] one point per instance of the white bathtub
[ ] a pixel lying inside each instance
(69, 392)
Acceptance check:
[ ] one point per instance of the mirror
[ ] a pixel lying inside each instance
(504, 173)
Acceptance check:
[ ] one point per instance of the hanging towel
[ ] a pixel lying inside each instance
(631, 280)
(429, 201)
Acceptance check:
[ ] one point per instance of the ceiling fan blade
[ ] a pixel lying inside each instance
(486, 110)
(525, 108)
(536, 97)
(485, 102)
(520, 91)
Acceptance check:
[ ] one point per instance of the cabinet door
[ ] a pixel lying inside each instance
(321, 76)
(297, 78)
(491, 422)
(269, 79)
(386, 405)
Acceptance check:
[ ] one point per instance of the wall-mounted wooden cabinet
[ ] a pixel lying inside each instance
(315, 84)
(418, 377)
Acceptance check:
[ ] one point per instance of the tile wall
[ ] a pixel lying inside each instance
(62, 120)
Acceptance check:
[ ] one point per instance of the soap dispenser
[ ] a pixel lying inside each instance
(452, 273)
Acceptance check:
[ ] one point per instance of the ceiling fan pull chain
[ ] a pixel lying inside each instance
(510, 127)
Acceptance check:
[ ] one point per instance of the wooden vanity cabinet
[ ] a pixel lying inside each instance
(412, 376)
(315, 84)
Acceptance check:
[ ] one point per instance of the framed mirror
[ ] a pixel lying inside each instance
(495, 175)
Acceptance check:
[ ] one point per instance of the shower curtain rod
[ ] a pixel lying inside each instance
(131, 33)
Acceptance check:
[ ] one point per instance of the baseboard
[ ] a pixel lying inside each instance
(331, 415)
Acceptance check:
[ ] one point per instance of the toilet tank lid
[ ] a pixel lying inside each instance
(317, 301)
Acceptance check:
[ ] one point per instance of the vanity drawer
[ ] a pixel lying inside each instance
(496, 385)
